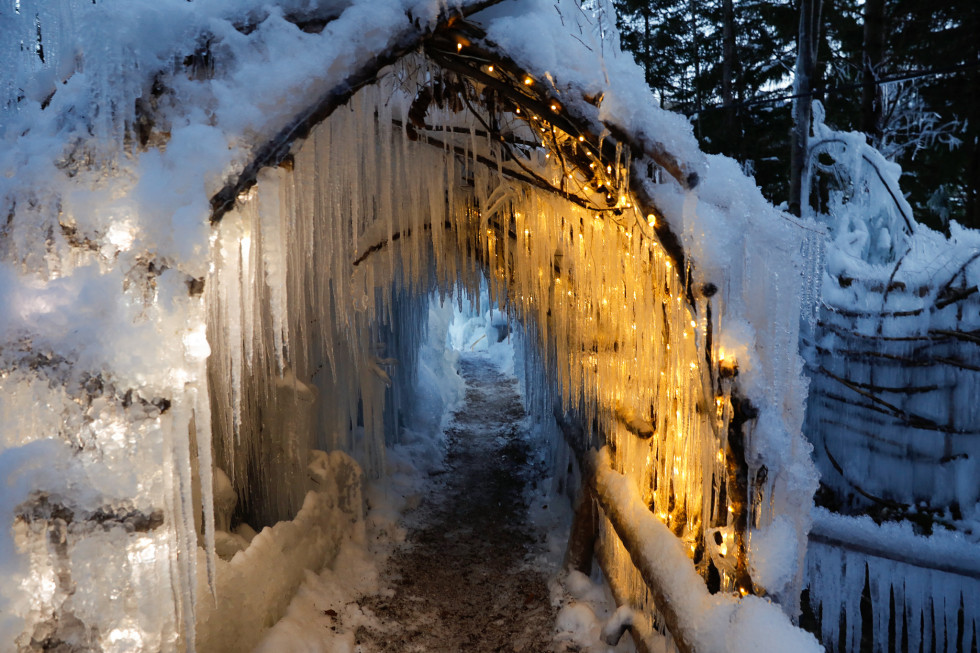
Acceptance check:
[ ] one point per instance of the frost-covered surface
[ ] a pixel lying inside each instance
(867, 216)
(106, 342)
(932, 583)
(892, 413)
(892, 410)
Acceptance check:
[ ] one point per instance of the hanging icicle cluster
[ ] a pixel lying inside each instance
(387, 200)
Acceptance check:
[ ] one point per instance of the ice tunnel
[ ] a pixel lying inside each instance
(236, 280)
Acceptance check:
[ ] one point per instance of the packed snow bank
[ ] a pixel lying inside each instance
(254, 588)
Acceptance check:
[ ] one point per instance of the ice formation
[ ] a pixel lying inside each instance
(150, 353)
(892, 414)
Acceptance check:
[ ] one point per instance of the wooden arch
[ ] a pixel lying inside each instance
(476, 71)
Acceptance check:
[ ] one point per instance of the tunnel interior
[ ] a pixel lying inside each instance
(427, 184)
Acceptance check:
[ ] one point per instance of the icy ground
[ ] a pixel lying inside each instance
(473, 564)
(464, 584)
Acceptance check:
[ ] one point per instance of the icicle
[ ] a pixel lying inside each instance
(202, 424)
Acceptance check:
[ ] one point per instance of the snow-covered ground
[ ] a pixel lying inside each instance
(332, 611)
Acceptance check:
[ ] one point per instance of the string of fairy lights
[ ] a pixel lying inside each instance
(596, 170)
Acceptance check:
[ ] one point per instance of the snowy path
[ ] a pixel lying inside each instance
(461, 583)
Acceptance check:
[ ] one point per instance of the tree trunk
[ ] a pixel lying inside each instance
(728, 66)
(806, 60)
(696, 56)
(874, 46)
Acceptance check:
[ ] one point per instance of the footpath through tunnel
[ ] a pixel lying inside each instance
(473, 565)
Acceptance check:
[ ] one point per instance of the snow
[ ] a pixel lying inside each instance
(106, 240)
(325, 614)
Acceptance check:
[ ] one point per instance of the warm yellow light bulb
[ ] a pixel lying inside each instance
(459, 46)
(490, 68)
(528, 81)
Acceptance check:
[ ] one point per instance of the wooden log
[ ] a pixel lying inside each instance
(652, 572)
(642, 638)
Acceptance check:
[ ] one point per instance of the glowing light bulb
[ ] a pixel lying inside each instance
(490, 68)
(459, 46)
(528, 81)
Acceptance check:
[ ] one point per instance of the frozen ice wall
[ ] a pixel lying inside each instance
(318, 302)
(892, 415)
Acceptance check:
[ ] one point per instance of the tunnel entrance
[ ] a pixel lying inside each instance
(423, 185)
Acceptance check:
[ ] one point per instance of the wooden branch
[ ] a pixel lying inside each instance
(529, 178)
(906, 361)
(880, 444)
(737, 480)
(652, 572)
(953, 295)
(928, 339)
(883, 407)
(857, 488)
(834, 540)
(398, 235)
(641, 428)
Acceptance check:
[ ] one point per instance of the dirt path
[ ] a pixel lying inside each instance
(461, 583)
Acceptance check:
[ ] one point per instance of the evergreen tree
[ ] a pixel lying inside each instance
(729, 66)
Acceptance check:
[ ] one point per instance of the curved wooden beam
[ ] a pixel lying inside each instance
(276, 149)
